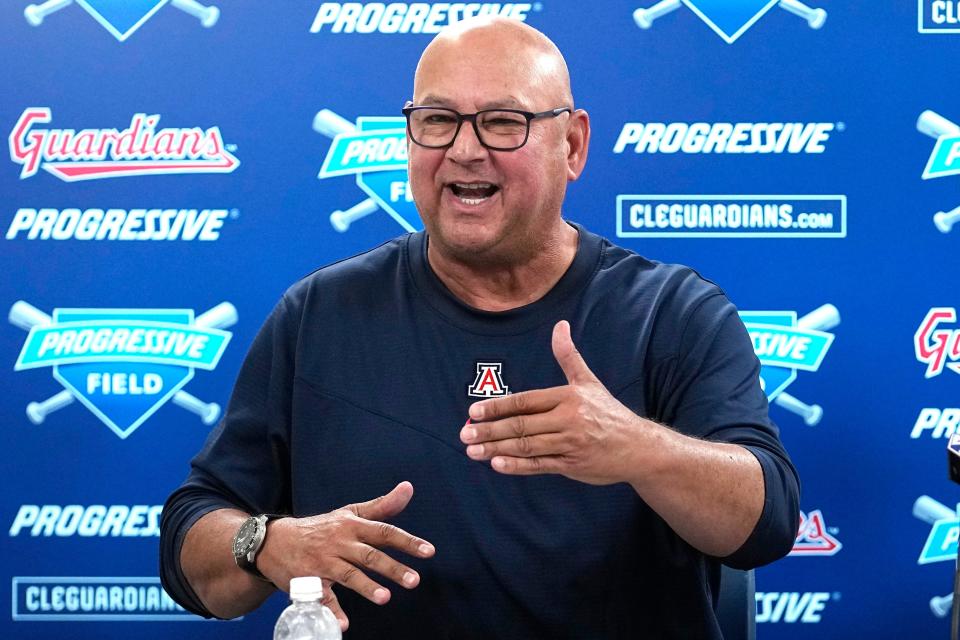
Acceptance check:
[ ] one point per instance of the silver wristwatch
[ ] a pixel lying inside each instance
(248, 541)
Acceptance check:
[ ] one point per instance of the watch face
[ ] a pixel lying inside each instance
(245, 537)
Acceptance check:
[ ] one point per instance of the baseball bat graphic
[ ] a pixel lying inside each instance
(207, 16)
(645, 17)
(930, 511)
(944, 220)
(815, 17)
(35, 13)
(935, 125)
(941, 605)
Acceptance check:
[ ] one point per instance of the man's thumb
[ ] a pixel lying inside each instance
(569, 359)
(385, 506)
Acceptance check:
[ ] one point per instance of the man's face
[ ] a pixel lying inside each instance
(478, 204)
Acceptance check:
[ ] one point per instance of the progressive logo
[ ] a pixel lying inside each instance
(122, 364)
(729, 19)
(375, 151)
(409, 17)
(785, 344)
(726, 137)
(138, 150)
(122, 17)
(136, 225)
(90, 521)
(792, 606)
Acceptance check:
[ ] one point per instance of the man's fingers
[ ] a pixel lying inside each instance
(382, 534)
(376, 560)
(569, 359)
(527, 466)
(353, 578)
(536, 401)
(547, 444)
(519, 426)
(385, 506)
(330, 601)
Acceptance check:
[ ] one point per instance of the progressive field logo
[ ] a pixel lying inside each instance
(139, 150)
(785, 344)
(375, 151)
(409, 17)
(122, 364)
(941, 543)
(729, 19)
(944, 159)
(122, 17)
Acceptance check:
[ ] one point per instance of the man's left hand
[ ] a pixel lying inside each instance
(578, 430)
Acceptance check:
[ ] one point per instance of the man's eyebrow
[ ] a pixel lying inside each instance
(433, 101)
(508, 102)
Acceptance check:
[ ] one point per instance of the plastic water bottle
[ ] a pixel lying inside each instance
(306, 618)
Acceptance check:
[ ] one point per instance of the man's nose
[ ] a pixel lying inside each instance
(466, 145)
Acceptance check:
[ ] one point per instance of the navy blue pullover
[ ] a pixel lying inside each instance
(359, 379)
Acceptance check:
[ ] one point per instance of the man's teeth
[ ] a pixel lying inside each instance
(473, 192)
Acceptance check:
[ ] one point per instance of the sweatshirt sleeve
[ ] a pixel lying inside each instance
(714, 393)
(244, 463)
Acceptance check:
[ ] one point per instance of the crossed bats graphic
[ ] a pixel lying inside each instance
(26, 316)
(935, 125)
(930, 511)
(208, 16)
(645, 17)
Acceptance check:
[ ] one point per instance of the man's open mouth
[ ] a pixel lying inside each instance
(473, 192)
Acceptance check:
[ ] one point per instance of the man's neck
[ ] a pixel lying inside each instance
(507, 286)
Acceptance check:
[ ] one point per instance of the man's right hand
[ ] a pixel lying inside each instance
(338, 546)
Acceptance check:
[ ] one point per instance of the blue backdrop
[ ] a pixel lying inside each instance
(173, 167)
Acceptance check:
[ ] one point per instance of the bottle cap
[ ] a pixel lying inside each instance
(309, 588)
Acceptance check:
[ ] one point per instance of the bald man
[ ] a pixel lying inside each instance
(584, 427)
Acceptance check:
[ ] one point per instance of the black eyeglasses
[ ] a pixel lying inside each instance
(497, 129)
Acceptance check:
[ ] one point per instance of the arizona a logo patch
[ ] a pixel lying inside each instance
(489, 381)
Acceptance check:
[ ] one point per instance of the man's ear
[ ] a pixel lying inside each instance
(578, 143)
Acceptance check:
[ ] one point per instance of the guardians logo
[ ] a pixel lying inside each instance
(139, 150)
(784, 345)
(375, 151)
(122, 364)
(122, 17)
(729, 19)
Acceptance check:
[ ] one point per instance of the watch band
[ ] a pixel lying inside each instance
(249, 540)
